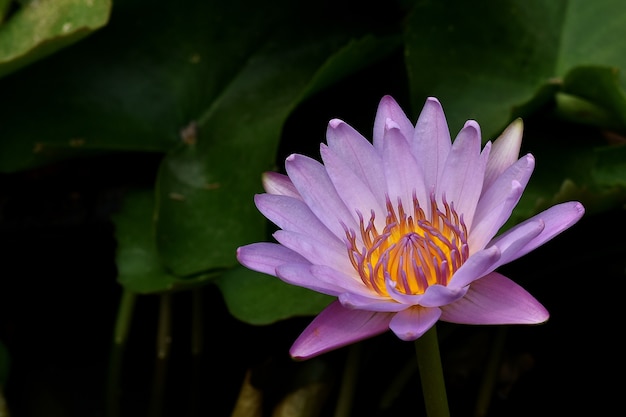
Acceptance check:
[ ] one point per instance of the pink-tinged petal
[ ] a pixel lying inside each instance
(388, 109)
(476, 266)
(439, 295)
(321, 279)
(371, 303)
(495, 299)
(517, 239)
(497, 203)
(556, 219)
(408, 299)
(434, 296)
(489, 222)
(294, 215)
(276, 183)
(413, 322)
(266, 257)
(403, 174)
(519, 171)
(359, 155)
(318, 192)
(337, 326)
(431, 142)
(462, 178)
(352, 190)
(504, 152)
(315, 251)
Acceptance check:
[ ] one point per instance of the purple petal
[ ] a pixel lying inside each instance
(358, 154)
(266, 257)
(413, 322)
(504, 152)
(495, 299)
(497, 203)
(351, 188)
(337, 326)
(294, 215)
(431, 142)
(318, 192)
(403, 174)
(388, 109)
(434, 296)
(518, 238)
(462, 178)
(476, 266)
(556, 219)
(371, 302)
(489, 222)
(275, 183)
(315, 251)
(321, 279)
(439, 295)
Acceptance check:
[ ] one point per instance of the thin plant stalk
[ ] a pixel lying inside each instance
(120, 336)
(490, 375)
(164, 339)
(431, 374)
(348, 382)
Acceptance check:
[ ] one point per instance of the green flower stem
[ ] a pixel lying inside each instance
(348, 382)
(431, 374)
(120, 335)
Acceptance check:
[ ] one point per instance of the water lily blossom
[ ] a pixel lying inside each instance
(403, 229)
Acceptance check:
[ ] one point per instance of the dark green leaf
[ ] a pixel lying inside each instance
(206, 186)
(139, 267)
(40, 28)
(482, 70)
(261, 299)
(485, 71)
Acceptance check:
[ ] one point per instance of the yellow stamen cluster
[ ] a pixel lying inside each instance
(412, 252)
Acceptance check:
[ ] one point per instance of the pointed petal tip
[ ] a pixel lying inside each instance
(541, 316)
(579, 207)
(472, 124)
(387, 99)
(335, 123)
(517, 123)
(434, 105)
(512, 134)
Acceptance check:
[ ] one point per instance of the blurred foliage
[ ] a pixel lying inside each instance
(211, 88)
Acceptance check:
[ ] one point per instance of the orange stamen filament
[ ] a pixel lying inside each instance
(412, 251)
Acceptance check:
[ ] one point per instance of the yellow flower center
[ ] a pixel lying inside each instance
(412, 252)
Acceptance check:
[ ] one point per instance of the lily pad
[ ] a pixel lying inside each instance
(39, 28)
(139, 267)
(260, 299)
(484, 71)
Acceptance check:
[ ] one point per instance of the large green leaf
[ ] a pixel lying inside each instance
(246, 85)
(39, 28)
(133, 85)
(483, 59)
(206, 186)
(139, 268)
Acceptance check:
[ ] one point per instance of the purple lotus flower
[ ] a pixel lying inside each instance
(401, 230)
